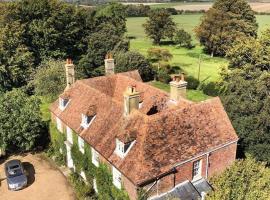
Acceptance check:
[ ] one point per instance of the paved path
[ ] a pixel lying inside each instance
(46, 182)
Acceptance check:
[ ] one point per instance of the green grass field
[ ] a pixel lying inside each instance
(186, 59)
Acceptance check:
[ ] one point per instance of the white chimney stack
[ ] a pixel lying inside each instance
(109, 64)
(70, 73)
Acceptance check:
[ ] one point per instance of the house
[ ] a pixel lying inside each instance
(150, 139)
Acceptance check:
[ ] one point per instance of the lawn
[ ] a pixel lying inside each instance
(193, 95)
(187, 60)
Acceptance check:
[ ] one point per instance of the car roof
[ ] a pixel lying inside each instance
(13, 162)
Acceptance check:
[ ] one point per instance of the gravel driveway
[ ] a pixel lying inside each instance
(46, 182)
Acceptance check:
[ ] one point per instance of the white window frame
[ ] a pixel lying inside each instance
(84, 123)
(69, 135)
(95, 157)
(81, 144)
(197, 170)
(62, 105)
(95, 185)
(59, 125)
(117, 178)
(120, 148)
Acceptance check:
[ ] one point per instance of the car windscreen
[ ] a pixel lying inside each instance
(14, 170)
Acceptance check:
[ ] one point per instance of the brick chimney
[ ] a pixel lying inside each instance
(131, 100)
(70, 73)
(178, 87)
(109, 64)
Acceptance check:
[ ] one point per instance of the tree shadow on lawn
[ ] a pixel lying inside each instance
(30, 173)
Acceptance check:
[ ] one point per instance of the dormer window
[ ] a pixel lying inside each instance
(87, 120)
(89, 116)
(123, 148)
(63, 103)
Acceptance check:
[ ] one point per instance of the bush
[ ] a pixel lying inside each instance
(183, 39)
(50, 80)
(209, 88)
(131, 60)
(163, 76)
(83, 191)
(193, 83)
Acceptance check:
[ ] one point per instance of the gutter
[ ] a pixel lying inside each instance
(205, 153)
(173, 170)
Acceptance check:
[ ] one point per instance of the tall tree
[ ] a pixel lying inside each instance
(49, 80)
(224, 23)
(105, 40)
(160, 25)
(244, 180)
(21, 126)
(16, 60)
(245, 94)
(130, 60)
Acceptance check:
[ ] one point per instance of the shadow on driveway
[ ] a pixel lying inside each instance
(30, 172)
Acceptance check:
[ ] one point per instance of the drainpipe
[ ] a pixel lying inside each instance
(207, 165)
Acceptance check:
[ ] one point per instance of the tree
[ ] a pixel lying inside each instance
(183, 38)
(159, 26)
(130, 60)
(105, 40)
(21, 126)
(224, 23)
(244, 180)
(50, 79)
(159, 54)
(251, 51)
(16, 60)
(245, 95)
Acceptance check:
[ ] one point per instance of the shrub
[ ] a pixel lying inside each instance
(193, 83)
(163, 76)
(209, 88)
(82, 190)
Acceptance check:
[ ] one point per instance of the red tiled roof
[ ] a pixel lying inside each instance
(174, 134)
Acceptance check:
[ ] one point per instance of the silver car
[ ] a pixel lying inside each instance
(16, 177)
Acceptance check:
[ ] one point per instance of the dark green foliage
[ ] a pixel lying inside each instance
(246, 99)
(193, 83)
(21, 125)
(245, 95)
(57, 148)
(183, 39)
(251, 51)
(49, 80)
(209, 88)
(163, 76)
(16, 61)
(83, 162)
(244, 180)
(51, 28)
(105, 40)
(82, 189)
(130, 60)
(224, 23)
(159, 26)
(137, 10)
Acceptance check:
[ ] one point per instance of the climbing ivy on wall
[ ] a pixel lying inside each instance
(58, 147)
(102, 174)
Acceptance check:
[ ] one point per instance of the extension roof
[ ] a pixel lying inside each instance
(174, 133)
